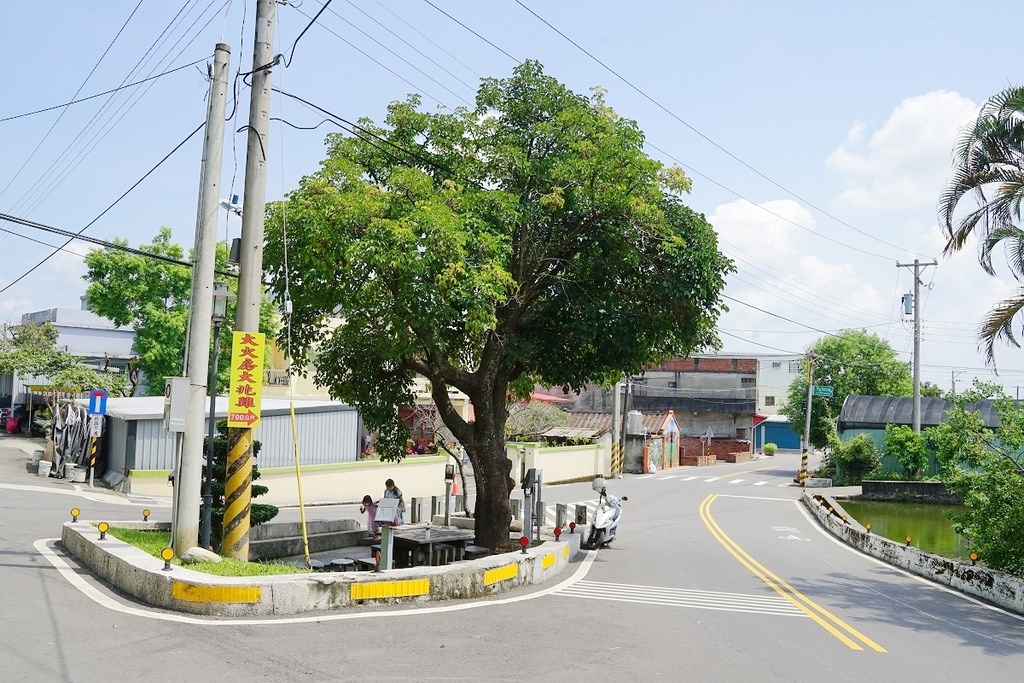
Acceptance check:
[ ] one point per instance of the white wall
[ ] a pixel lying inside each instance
(774, 375)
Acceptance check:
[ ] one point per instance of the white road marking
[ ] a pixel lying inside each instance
(87, 589)
(760, 483)
(668, 477)
(712, 479)
(681, 597)
(689, 478)
(735, 481)
(78, 492)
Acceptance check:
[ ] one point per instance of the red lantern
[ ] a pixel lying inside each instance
(558, 532)
(572, 527)
(524, 541)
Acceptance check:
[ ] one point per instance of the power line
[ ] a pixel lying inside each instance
(403, 40)
(105, 92)
(705, 137)
(91, 240)
(473, 32)
(102, 213)
(64, 106)
(428, 39)
(54, 175)
(403, 59)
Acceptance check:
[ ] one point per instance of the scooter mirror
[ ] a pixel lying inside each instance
(624, 498)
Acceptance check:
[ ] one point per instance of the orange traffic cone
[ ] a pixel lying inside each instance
(455, 487)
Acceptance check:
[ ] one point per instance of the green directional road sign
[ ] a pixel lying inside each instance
(822, 390)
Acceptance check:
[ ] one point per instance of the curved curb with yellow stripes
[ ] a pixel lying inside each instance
(828, 621)
(369, 590)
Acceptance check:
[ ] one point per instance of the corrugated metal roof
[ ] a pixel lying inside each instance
(874, 412)
(570, 432)
(651, 422)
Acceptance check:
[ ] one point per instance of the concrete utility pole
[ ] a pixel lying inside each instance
(807, 419)
(186, 514)
(917, 265)
(238, 487)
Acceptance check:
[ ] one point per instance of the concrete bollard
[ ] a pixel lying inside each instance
(581, 515)
(561, 511)
(414, 514)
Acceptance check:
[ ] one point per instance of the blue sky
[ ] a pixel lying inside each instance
(818, 134)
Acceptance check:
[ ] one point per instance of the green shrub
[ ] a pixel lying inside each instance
(770, 448)
(908, 447)
(855, 460)
(258, 513)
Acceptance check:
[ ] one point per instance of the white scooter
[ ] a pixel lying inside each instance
(606, 517)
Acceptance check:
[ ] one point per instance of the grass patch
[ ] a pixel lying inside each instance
(152, 542)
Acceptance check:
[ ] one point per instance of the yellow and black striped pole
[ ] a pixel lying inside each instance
(616, 458)
(92, 459)
(807, 420)
(237, 495)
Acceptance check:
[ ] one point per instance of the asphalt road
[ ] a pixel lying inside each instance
(724, 580)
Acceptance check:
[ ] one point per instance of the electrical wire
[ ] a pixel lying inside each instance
(105, 92)
(66, 105)
(53, 178)
(288, 62)
(715, 144)
(473, 32)
(421, 34)
(104, 212)
(91, 240)
(403, 59)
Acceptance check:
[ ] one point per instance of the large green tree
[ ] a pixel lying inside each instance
(853, 362)
(31, 349)
(527, 240)
(988, 167)
(152, 296)
(984, 466)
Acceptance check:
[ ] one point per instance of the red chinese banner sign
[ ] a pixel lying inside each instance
(246, 379)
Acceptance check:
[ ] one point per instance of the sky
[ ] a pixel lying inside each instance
(818, 135)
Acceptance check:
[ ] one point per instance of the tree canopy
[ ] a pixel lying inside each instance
(853, 362)
(988, 166)
(985, 468)
(152, 296)
(527, 240)
(31, 349)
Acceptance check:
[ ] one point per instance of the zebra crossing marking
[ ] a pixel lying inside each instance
(735, 481)
(682, 597)
(708, 481)
(760, 483)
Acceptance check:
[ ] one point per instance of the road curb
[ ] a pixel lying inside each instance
(181, 589)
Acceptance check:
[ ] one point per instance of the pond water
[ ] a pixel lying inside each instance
(926, 523)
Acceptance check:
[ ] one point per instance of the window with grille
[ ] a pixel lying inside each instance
(747, 381)
(769, 400)
(795, 367)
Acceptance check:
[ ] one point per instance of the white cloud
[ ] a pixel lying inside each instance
(903, 163)
(742, 225)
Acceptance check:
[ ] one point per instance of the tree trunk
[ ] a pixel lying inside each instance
(491, 472)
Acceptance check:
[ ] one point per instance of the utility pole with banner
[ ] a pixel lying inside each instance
(238, 486)
(244, 399)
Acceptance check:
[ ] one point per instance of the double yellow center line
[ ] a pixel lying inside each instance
(828, 621)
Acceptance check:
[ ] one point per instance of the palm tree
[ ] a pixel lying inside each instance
(989, 164)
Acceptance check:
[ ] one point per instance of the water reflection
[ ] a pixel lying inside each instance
(927, 523)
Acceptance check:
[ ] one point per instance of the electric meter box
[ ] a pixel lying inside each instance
(175, 403)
